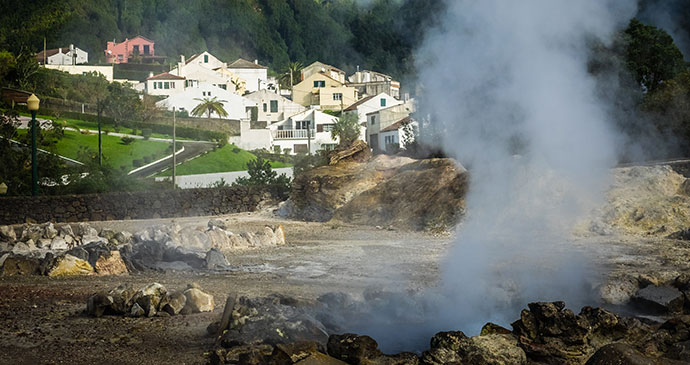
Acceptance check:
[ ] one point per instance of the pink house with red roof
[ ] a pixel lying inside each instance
(121, 52)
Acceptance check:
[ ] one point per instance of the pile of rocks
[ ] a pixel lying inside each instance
(61, 250)
(279, 330)
(80, 249)
(151, 300)
(649, 294)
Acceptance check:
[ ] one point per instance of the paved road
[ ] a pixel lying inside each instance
(207, 180)
(191, 150)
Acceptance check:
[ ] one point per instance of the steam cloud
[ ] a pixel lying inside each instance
(507, 89)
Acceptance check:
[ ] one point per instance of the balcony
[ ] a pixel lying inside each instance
(292, 134)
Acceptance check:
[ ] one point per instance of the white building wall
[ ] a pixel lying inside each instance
(157, 87)
(254, 77)
(235, 105)
(251, 139)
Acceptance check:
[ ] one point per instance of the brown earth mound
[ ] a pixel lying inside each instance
(384, 191)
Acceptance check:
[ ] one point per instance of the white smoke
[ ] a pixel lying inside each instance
(509, 95)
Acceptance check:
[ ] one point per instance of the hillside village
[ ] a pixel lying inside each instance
(290, 120)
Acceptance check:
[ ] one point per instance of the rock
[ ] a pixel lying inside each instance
(619, 290)
(682, 282)
(58, 243)
(20, 265)
(3, 257)
(619, 353)
(680, 351)
(7, 234)
(494, 329)
(160, 236)
(176, 302)
(358, 151)
(441, 356)
(659, 300)
(84, 229)
(98, 304)
(353, 349)
(197, 301)
(21, 248)
(69, 240)
(44, 243)
(79, 252)
(110, 264)
(122, 299)
(247, 354)
(31, 232)
(492, 349)
(107, 233)
(137, 311)
(88, 239)
(97, 250)
(49, 231)
(69, 265)
(123, 237)
(448, 340)
(291, 353)
(149, 297)
(216, 223)
(215, 260)
(320, 359)
(65, 230)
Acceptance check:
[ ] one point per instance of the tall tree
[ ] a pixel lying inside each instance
(94, 87)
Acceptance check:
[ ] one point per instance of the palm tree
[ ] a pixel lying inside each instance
(292, 72)
(208, 106)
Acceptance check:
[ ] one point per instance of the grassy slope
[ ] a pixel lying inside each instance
(116, 154)
(221, 160)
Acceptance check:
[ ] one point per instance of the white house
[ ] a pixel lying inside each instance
(273, 107)
(106, 71)
(380, 120)
(304, 132)
(165, 84)
(203, 59)
(372, 83)
(63, 56)
(202, 69)
(394, 135)
(371, 104)
(255, 75)
(238, 107)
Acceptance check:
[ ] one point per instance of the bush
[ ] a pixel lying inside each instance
(106, 131)
(127, 140)
(261, 173)
(236, 150)
(276, 149)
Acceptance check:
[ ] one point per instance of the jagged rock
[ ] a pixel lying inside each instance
(680, 351)
(357, 151)
(49, 231)
(43, 243)
(123, 237)
(65, 230)
(69, 240)
(619, 290)
(20, 248)
(494, 329)
(110, 264)
(89, 239)
(197, 301)
(58, 243)
(176, 302)
(448, 340)
(84, 229)
(492, 349)
(20, 265)
(69, 265)
(320, 359)
(353, 349)
(97, 250)
(216, 260)
(3, 257)
(31, 232)
(137, 311)
(441, 356)
(149, 297)
(122, 299)
(620, 353)
(247, 354)
(659, 300)
(290, 353)
(8, 234)
(107, 233)
(79, 252)
(216, 223)
(160, 236)
(98, 304)
(682, 282)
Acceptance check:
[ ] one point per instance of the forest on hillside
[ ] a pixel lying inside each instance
(379, 35)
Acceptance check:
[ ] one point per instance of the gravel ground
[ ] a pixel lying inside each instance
(41, 319)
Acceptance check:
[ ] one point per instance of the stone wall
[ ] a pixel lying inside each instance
(137, 205)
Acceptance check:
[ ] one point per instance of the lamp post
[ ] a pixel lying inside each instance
(32, 105)
(174, 159)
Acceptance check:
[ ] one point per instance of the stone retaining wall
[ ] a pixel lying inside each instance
(137, 205)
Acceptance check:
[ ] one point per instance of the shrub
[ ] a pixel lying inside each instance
(127, 140)
(276, 149)
(106, 131)
(261, 173)
(236, 150)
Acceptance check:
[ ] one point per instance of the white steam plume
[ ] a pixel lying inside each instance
(502, 78)
(507, 77)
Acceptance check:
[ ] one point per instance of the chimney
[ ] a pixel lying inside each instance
(182, 59)
(256, 62)
(150, 74)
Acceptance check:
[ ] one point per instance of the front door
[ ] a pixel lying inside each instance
(374, 141)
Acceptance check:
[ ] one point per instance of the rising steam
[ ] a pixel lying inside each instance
(508, 93)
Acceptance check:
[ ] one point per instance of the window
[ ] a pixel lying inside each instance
(337, 96)
(301, 148)
(205, 58)
(265, 107)
(160, 84)
(167, 85)
(154, 85)
(383, 102)
(120, 57)
(373, 119)
(389, 140)
(136, 49)
(146, 49)
(319, 83)
(301, 124)
(172, 85)
(224, 87)
(274, 106)
(328, 127)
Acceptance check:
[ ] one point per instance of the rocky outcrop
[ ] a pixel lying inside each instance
(383, 191)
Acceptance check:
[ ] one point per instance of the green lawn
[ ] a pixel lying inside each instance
(224, 159)
(115, 153)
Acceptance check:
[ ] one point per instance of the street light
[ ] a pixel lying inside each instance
(32, 104)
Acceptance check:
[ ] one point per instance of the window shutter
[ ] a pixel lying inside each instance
(319, 127)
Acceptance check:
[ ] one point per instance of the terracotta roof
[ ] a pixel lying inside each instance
(395, 126)
(242, 63)
(358, 103)
(142, 37)
(165, 76)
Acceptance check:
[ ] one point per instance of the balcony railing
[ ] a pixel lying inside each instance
(292, 134)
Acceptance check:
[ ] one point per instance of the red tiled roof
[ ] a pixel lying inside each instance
(242, 63)
(395, 126)
(165, 76)
(358, 103)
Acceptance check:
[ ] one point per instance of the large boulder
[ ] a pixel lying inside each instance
(659, 300)
(197, 301)
(110, 264)
(620, 353)
(20, 265)
(69, 265)
(7, 234)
